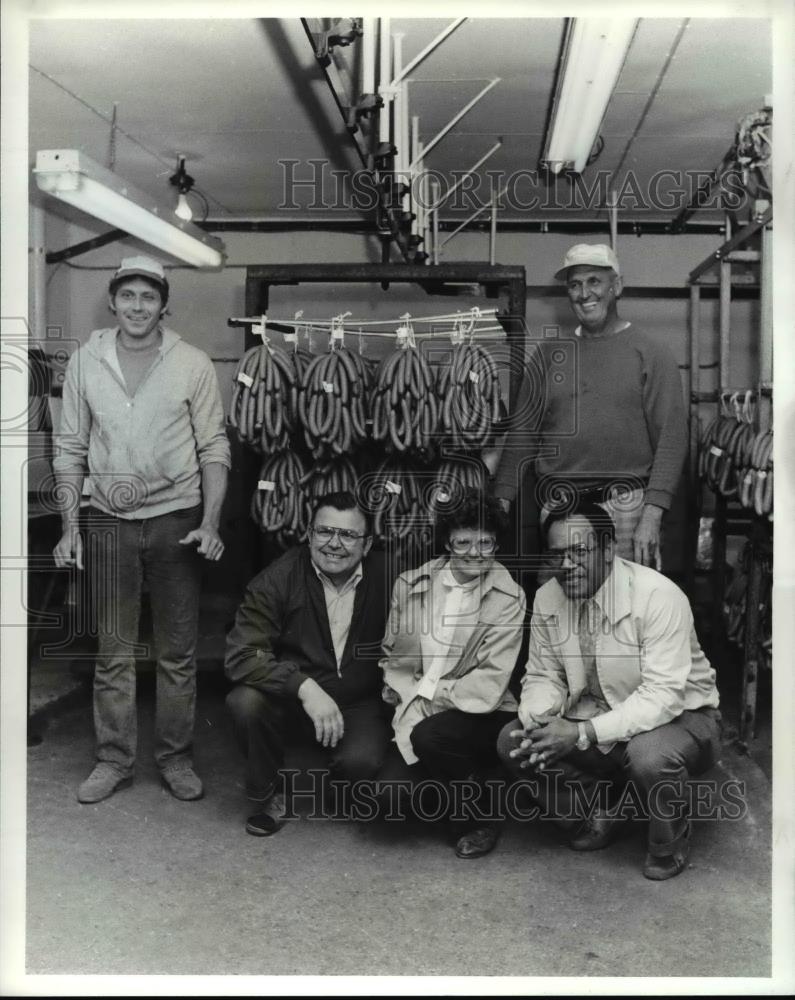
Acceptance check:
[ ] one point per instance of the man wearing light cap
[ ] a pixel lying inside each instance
(143, 421)
(611, 426)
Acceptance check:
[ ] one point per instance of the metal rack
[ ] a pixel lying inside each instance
(759, 532)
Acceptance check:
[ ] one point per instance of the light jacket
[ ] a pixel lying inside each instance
(648, 658)
(144, 453)
(478, 681)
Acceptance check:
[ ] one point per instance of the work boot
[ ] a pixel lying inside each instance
(103, 781)
(270, 820)
(659, 867)
(183, 783)
(477, 842)
(596, 832)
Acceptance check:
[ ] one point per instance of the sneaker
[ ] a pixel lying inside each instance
(183, 783)
(103, 781)
(270, 820)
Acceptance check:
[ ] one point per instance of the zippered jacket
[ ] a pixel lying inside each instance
(281, 634)
(144, 453)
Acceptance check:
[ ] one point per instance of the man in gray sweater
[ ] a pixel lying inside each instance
(143, 425)
(604, 418)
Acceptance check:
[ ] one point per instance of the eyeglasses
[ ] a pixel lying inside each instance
(575, 553)
(324, 534)
(460, 546)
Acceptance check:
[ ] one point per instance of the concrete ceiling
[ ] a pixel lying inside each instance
(236, 97)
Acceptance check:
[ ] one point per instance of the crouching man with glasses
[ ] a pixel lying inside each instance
(452, 641)
(618, 706)
(303, 654)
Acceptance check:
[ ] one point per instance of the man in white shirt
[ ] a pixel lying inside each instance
(617, 692)
(451, 644)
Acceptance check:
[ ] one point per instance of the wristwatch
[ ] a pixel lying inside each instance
(583, 742)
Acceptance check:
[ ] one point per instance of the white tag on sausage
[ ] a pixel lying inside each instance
(266, 484)
(247, 380)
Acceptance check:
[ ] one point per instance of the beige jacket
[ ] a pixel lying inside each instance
(648, 658)
(478, 681)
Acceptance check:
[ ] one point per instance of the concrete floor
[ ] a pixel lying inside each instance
(144, 884)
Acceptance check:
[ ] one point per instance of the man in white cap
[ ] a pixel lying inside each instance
(142, 418)
(610, 425)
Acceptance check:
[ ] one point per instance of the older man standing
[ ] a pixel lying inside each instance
(617, 692)
(610, 425)
(142, 416)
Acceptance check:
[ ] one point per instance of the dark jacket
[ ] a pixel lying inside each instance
(281, 634)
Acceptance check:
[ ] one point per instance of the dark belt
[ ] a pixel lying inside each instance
(598, 492)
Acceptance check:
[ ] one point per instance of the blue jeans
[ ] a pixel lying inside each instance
(121, 555)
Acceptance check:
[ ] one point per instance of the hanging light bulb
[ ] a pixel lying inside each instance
(183, 210)
(183, 182)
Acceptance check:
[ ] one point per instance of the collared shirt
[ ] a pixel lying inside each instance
(454, 610)
(592, 702)
(339, 607)
(650, 665)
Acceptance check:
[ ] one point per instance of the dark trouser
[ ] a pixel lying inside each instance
(122, 554)
(263, 723)
(656, 764)
(452, 746)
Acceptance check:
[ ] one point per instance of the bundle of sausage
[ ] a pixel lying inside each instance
(405, 407)
(332, 403)
(259, 410)
(394, 495)
(278, 505)
(335, 476)
(737, 461)
(470, 393)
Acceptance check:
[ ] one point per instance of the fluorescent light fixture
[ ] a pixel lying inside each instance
(76, 179)
(594, 52)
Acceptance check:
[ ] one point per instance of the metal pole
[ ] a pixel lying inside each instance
(694, 381)
(368, 56)
(613, 209)
(384, 78)
(404, 141)
(725, 322)
(493, 235)
(694, 427)
(38, 326)
(764, 403)
(435, 219)
(401, 153)
(399, 74)
(416, 207)
(422, 197)
(460, 115)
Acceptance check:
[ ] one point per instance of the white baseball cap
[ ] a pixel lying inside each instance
(593, 254)
(141, 265)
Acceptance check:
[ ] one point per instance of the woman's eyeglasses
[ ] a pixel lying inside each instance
(460, 546)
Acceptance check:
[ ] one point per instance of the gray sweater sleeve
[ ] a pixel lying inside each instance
(664, 409)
